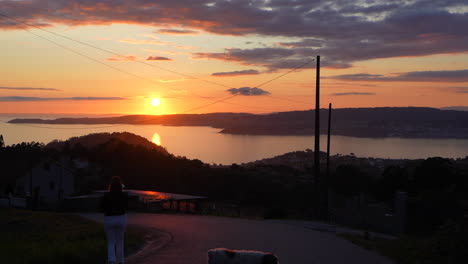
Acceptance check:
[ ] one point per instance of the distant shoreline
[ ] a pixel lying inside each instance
(385, 122)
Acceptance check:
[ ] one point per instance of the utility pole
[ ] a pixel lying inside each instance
(327, 180)
(317, 137)
(328, 140)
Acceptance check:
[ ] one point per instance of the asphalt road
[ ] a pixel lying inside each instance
(193, 235)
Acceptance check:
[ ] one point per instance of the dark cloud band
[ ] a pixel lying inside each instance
(248, 91)
(39, 99)
(461, 90)
(157, 58)
(170, 31)
(342, 31)
(29, 89)
(416, 76)
(236, 73)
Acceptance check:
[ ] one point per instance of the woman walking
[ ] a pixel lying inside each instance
(114, 205)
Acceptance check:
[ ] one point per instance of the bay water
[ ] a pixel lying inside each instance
(210, 146)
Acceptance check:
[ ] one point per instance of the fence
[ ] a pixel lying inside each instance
(359, 212)
(11, 201)
(4, 203)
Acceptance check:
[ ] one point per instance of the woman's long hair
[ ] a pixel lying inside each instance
(116, 185)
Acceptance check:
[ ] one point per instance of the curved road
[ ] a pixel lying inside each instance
(193, 235)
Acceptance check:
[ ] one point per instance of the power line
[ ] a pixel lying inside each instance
(286, 99)
(286, 73)
(135, 75)
(113, 53)
(152, 65)
(215, 101)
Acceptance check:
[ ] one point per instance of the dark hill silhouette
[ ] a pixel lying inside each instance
(412, 122)
(96, 139)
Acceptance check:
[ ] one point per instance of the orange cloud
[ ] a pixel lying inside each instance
(147, 41)
(155, 42)
(122, 58)
(165, 51)
(170, 31)
(235, 73)
(158, 58)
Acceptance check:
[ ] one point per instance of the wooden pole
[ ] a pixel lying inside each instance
(327, 180)
(328, 140)
(317, 136)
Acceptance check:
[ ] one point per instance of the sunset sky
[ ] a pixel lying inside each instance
(191, 54)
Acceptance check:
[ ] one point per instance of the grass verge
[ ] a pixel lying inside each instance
(435, 249)
(32, 237)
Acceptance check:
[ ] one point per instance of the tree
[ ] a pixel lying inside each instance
(394, 178)
(2, 143)
(349, 180)
(435, 174)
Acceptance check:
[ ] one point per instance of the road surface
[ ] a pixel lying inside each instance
(193, 235)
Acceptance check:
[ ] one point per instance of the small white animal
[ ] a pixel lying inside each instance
(229, 256)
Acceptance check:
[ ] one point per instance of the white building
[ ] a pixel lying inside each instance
(51, 182)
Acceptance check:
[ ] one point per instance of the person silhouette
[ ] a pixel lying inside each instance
(114, 205)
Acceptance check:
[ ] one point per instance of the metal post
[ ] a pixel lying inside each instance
(31, 179)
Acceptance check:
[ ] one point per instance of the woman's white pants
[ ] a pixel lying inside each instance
(115, 232)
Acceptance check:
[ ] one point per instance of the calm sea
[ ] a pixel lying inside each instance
(206, 144)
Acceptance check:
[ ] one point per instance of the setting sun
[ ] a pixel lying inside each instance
(155, 101)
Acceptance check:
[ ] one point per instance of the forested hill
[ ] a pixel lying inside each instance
(409, 122)
(94, 140)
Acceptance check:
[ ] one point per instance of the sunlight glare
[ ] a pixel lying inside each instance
(156, 139)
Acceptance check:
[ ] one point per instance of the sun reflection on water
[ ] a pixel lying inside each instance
(156, 139)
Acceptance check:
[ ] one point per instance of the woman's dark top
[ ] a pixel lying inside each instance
(114, 203)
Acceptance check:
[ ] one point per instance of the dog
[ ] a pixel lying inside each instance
(229, 256)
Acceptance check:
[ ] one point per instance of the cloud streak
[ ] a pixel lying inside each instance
(122, 58)
(29, 89)
(170, 31)
(144, 41)
(154, 41)
(461, 90)
(271, 58)
(235, 73)
(416, 76)
(40, 99)
(157, 58)
(351, 93)
(248, 91)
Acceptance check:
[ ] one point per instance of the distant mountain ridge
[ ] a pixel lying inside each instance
(456, 108)
(407, 122)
